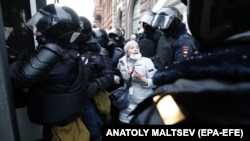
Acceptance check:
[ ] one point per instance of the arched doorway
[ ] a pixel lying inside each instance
(134, 16)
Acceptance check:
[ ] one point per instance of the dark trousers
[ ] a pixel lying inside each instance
(92, 119)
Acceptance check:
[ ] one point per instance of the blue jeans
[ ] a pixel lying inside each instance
(92, 119)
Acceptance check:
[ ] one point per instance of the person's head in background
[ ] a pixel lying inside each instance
(133, 37)
(132, 50)
(212, 22)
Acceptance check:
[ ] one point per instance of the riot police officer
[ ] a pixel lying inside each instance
(148, 38)
(53, 73)
(117, 36)
(100, 77)
(113, 54)
(175, 45)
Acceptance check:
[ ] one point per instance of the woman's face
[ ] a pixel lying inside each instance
(133, 49)
(134, 52)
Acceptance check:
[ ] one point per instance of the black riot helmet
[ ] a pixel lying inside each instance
(54, 20)
(115, 32)
(85, 25)
(167, 19)
(212, 21)
(102, 36)
(117, 35)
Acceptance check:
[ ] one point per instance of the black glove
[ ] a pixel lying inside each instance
(105, 81)
(93, 88)
(158, 63)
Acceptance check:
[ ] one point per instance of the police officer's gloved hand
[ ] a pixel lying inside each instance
(157, 63)
(92, 89)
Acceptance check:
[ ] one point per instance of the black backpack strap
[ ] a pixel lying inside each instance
(80, 79)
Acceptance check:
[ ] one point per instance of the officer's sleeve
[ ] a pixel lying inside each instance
(183, 50)
(35, 67)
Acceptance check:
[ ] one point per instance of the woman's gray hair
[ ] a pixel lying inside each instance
(128, 44)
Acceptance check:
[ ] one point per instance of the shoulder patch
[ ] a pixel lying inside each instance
(185, 51)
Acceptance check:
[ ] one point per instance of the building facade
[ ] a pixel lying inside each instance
(126, 14)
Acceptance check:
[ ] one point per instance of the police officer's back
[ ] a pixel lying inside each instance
(53, 72)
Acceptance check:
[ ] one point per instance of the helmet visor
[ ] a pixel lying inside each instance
(162, 21)
(147, 19)
(44, 19)
(39, 23)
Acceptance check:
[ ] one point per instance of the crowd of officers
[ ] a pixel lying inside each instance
(54, 75)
